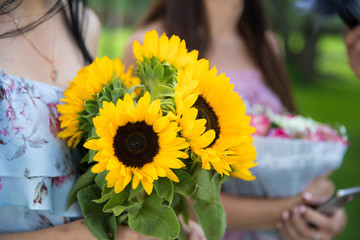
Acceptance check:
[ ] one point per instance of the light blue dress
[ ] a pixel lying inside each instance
(37, 169)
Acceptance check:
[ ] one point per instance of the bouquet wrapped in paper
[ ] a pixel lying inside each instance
(173, 132)
(291, 152)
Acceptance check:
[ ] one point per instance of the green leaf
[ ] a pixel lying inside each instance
(155, 219)
(181, 207)
(106, 92)
(117, 93)
(93, 133)
(122, 219)
(90, 108)
(91, 102)
(100, 179)
(100, 224)
(83, 181)
(86, 127)
(159, 72)
(91, 155)
(212, 218)
(186, 185)
(165, 90)
(208, 208)
(115, 204)
(87, 117)
(85, 159)
(118, 210)
(164, 188)
(208, 186)
(135, 192)
(83, 120)
(182, 235)
(104, 196)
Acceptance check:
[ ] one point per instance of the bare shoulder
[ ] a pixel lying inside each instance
(138, 35)
(274, 43)
(92, 31)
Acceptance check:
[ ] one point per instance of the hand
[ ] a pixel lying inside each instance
(352, 42)
(294, 224)
(193, 230)
(122, 232)
(125, 232)
(321, 189)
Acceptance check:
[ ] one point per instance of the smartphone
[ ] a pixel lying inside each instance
(340, 199)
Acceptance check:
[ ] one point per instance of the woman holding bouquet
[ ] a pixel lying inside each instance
(233, 35)
(43, 43)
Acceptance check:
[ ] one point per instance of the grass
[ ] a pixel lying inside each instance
(334, 99)
(113, 42)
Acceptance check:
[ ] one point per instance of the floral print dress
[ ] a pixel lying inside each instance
(37, 169)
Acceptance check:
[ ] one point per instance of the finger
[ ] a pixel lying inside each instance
(310, 200)
(338, 222)
(319, 220)
(352, 36)
(288, 227)
(301, 227)
(283, 231)
(195, 231)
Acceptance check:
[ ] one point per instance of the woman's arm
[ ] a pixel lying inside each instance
(255, 213)
(72, 230)
(75, 230)
(260, 213)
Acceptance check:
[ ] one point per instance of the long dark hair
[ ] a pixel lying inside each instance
(187, 18)
(74, 12)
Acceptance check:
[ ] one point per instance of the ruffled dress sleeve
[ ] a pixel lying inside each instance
(37, 169)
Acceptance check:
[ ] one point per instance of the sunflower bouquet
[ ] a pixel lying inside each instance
(168, 131)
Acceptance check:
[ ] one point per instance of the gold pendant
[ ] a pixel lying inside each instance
(53, 75)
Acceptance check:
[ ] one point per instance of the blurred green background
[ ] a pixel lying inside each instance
(324, 86)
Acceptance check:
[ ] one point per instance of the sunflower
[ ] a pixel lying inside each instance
(186, 93)
(226, 144)
(136, 144)
(171, 50)
(89, 81)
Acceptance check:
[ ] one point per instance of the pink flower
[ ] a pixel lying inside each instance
(261, 123)
(325, 133)
(58, 181)
(279, 133)
(54, 122)
(290, 116)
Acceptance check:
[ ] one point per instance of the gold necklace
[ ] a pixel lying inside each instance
(53, 73)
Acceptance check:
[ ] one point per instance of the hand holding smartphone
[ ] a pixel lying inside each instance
(338, 200)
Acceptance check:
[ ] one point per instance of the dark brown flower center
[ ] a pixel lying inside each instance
(205, 111)
(136, 144)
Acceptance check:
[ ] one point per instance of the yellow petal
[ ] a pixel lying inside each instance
(135, 182)
(92, 144)
(138, 51)
(161, 123)
(142, 106)
(113, 163)
(99, 167)
(148, 186)
(153, 112)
